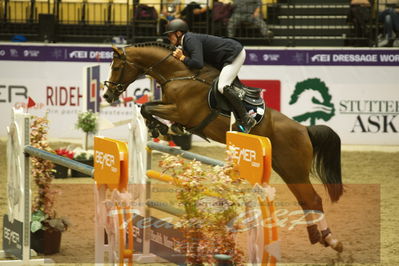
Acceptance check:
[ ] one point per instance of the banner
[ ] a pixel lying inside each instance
(58, 89)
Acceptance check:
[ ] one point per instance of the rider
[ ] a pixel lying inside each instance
(225, 54)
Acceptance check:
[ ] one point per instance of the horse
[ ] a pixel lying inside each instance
(298, 150)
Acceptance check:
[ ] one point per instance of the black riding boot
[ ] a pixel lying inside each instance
(243, 118)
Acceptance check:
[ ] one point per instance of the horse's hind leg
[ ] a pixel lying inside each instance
(312, 206)
(293, 163)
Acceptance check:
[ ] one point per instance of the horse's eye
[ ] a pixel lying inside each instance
(115, 68)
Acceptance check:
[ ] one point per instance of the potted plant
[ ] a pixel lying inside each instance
(83, 156)
(46, 227)
(62, 171)
(46, 232)
(184, 140)
(87, 121)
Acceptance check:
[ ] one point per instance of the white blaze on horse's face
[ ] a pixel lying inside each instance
(110, 70)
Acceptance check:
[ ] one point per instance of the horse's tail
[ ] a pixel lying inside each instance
(327, 159)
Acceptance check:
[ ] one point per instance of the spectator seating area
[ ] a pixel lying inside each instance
(293, 22)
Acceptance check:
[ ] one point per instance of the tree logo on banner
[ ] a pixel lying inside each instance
(312, 101)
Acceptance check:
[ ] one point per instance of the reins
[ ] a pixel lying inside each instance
(120, 87)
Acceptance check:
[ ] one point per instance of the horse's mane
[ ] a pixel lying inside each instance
(157, 44)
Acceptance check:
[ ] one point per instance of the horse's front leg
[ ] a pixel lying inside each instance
(161, 110)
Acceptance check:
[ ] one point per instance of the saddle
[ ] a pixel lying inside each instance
(251, 98)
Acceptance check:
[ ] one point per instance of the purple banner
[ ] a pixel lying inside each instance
(56, 53)
(327, 57)
(303, 57)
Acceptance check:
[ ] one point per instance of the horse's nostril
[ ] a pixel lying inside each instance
(105, 96)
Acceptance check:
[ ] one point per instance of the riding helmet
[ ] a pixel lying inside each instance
(176, 25)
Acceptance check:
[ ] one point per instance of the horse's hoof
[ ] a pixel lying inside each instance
(149, 124)
(163, 129)
(154, 133)
(339, 247)
(177, 129)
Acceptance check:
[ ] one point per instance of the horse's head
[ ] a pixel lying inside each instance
(122, 73)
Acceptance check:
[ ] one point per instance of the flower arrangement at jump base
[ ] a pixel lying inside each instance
(213, 199)
(87, 122)
(65, 152)
(80, 154)
(59, 170)
(46, 227)
(83, 156)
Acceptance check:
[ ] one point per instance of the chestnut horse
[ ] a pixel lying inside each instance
(297, 150)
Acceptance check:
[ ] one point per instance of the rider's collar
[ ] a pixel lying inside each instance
(181, 41)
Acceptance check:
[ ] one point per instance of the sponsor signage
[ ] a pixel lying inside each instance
(59, 88)
(358, 102)
(138, 232)
(371, 116)
(252, 155)
(166, 241)
(56, 53)
(361, 115)
(336, 57)
(13, 237)
(91, 79)
(110, 162)
(342, 57)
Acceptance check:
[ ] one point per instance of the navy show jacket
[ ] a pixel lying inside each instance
(215, 51)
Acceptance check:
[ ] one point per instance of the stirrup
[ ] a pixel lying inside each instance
(246, 127)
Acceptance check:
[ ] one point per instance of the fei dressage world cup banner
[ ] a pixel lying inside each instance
(355, 91)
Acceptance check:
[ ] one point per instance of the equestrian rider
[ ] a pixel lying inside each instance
(227, 55)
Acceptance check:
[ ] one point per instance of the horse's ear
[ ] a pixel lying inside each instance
(116, 50)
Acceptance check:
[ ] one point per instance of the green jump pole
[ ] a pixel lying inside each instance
(61, 160)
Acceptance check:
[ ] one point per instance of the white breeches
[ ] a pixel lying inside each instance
(229, 72)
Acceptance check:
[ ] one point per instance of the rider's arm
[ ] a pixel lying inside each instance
(195, 58)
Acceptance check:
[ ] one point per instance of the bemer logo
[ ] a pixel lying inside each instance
(12, 237)
(106, 159)
(245, 155)
(321, 58)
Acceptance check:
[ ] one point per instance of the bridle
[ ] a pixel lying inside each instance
(121, 87)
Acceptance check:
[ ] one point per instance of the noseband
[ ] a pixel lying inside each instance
(120, 87)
